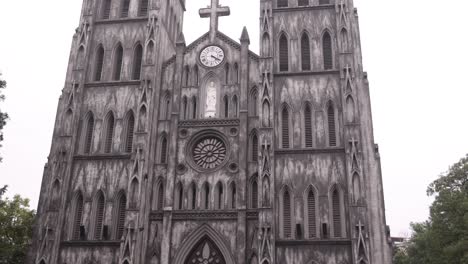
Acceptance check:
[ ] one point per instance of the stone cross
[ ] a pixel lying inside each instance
(213, 12)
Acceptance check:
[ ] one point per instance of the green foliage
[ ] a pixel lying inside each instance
(3, 116)
(443, 239)
(16, 220)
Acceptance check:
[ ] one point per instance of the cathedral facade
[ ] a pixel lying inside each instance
(167, 152)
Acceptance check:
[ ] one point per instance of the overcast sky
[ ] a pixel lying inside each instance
(415, 51)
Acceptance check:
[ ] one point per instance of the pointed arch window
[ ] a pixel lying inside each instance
(305, 51)
(163, 151)
(80, 58)
(254, 147)
(106, 8)
(344, 40)
(78, 214)
(118, 59)
(226, 106)
(98, 215)
(196, 76)
(308, 126)
(206, 196)
(125, 8)
(184, 108)
(160, 202)
(179, 196)
(311, 214)
(235, 105)
(286, 214)
(233, 193)
(226, 73)
(285, 127)
(193, 196)
(130, 127)
(236, 73)
(110, 127)
(282, 3)
(336, 212)
(142, 119)
(89, 134)
(99, 63)
(120, 214)
(144, 8)
(194, 107)
(254, 102)
(327, 51)
(186, 76)
(254, 194)
(219, 196)
(137, 60)
(283, 53)
(266, 114)
(68, 122)
(331, 125)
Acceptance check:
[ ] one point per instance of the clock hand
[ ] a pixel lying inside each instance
(216, 58)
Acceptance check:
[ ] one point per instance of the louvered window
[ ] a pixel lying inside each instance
(160, 196)
(164, 150)
(327, 51)
(184, 108)
(308, 126)
(106, 8)
(336, 213)
(89, 134)
(305, 52)
(125, 8)
(254, 148)
(110, 133)
(120, 221)
(331, 125)
(303, 3)
(285, 127)
(99, 64)
(77, 218)
(130, 129)
(118, 63)
(226, 107)
(254, 194)
(311, 214)
(286, 215)
(137, 59)
(283, 53)
(99, 217)
(144, 8)
(282, 3)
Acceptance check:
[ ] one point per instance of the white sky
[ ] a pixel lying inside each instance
(415, 51)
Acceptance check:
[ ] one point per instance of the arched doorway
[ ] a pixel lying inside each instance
(205, 252)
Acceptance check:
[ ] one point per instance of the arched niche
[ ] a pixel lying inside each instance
(210, 96)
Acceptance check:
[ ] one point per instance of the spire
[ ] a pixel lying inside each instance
(214, 12)
(245, 36)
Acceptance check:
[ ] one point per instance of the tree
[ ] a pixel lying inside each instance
(16, 221)
(443, 239)
(3, 116)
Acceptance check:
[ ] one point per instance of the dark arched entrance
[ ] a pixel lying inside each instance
(205, 252)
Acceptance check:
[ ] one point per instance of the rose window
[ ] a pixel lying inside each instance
(209, 153)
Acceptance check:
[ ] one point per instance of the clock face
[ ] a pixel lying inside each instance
(212, 56)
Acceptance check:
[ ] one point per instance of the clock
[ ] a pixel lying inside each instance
(212, 56)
